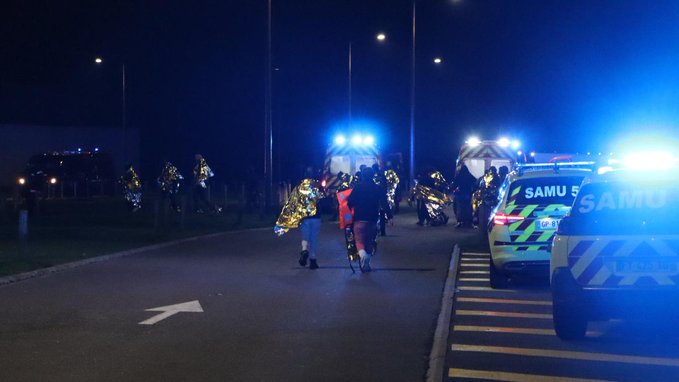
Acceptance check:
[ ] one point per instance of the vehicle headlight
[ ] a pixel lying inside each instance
(53, 180)
(22, 181)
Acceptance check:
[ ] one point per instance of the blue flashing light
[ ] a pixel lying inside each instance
(340, 140)
(516, 144)
(356, 140)
(504, 142)
(368, 140)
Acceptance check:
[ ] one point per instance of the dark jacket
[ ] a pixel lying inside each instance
(366, 199)
(464, 183)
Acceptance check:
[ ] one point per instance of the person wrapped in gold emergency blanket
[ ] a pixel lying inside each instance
(131, 188)
(431, 193)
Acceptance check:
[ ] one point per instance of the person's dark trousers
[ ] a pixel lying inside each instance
(383, 223)
(422, 214)
(200, 198)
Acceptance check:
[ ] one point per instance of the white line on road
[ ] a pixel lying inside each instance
(487, 289)
(474, 272)
(582, 356)
(171, 310)
(473, 279)
(488, 313)
(504, 301)
(513, 377)
(498, 329)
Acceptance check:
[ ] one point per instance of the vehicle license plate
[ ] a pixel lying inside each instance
(645, 266)
(548, 224)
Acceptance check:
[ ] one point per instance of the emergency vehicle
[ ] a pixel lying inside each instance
(617, 252)
(532, 201)
(479, 155)
(347, 156)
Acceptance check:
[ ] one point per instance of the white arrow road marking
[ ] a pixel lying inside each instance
(171, 310)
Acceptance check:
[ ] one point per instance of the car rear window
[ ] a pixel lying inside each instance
(547, 190)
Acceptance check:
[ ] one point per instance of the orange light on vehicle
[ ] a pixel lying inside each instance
(22, 181)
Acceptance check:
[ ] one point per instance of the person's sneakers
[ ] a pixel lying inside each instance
(365, 265)
(303, 256)
(313, 264)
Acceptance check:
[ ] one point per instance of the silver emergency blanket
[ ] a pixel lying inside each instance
(302, 203)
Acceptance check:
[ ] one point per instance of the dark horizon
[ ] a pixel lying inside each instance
(560, 76)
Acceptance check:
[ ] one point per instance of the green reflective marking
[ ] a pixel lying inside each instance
(516, 191)
(511, 207)
(526, 234)
(546, 236)
(528, 210)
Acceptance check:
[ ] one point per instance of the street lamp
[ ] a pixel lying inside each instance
(99, 61)
(438, 60)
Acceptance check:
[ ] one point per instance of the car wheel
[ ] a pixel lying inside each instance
(570, 322)
(497, 280)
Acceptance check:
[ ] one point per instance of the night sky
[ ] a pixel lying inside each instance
(559, 75)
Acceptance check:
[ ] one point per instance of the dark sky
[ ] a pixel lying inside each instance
(560, 75)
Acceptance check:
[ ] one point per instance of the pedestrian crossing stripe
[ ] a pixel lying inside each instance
(472, 279)
(513, 377)
(504, 301)
(565, 354)
(488, 313)
(475, 272)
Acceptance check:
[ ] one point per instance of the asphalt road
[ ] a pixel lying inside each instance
(264, 318)
(507, 335)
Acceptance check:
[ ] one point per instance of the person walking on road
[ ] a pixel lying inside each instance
(311, 229)
(463, 188)
(366, 200)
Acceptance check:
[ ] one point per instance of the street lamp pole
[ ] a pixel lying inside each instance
(268, 129)
(124, 114)
(350, 74)
(412, 103)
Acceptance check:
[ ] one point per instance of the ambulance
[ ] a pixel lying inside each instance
(480, 155)
(346, 155)
(617, 251)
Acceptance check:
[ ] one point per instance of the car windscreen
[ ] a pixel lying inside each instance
(545, 190)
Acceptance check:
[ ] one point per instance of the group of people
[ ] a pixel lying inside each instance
(364, 208)
(169, 182)
(471, 194)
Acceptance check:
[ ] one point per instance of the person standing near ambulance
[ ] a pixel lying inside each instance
(366, 200)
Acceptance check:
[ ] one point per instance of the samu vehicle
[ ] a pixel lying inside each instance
(617, 253)
(533, 199)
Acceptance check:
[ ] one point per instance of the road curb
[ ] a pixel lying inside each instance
(439, 348)
(97, 259)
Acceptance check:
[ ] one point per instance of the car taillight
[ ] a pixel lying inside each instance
(503, 219)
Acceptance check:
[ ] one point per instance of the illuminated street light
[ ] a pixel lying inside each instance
(381, 37)
(438, 60)
(98, 60)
